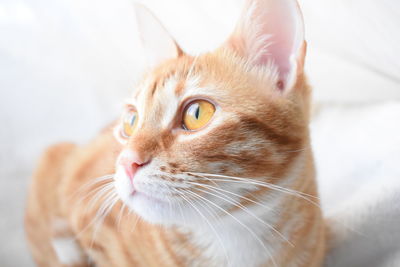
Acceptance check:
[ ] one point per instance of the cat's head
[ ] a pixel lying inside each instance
(196, 126)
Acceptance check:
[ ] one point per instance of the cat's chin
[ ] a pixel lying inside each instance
(152, 209)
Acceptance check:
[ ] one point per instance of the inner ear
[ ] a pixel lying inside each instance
(157, 43)
(271, 32)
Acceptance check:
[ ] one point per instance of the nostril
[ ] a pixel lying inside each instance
(131, 169)
(141, 164)
(135, 165)
(131, 162)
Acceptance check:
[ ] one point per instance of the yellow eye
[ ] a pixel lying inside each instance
(197, 114)
(129, 122)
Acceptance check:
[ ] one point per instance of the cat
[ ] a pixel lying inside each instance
(209, 165)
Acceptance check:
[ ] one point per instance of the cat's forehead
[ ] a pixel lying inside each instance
(174, 85)
(164, 91)
(173, 78)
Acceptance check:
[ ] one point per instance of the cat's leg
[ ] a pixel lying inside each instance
(50, 239)
(65, 245)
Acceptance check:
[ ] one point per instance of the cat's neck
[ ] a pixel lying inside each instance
(285, 227)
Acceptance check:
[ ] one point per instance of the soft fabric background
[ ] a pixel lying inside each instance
(65, 66)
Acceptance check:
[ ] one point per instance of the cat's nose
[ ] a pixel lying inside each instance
(132, 162)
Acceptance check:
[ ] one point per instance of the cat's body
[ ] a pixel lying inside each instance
(238, 191)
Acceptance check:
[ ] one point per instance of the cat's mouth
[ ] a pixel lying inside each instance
(150, 197)
(131, 190)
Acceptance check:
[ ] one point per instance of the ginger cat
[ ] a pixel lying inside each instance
(210, 164)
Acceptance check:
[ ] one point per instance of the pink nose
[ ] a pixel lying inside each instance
(131, 162)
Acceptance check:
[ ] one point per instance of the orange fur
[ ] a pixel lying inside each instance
(263, 134)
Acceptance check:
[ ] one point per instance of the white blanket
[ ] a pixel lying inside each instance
(357, 151)
(65, 66)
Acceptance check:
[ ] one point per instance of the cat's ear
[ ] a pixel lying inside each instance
(157, 42)
(272, 32)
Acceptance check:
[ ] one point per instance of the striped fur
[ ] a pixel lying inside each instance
(239, 192)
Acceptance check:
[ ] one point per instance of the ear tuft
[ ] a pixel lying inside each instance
(157, 42)
(272, 32)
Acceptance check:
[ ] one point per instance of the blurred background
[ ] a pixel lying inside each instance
(67, 65)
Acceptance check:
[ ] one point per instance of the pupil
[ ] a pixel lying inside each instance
(133, 119)
(197, 113)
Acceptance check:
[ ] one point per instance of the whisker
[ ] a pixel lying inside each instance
(209, 224)
(215, 189)
(254, 180)
(103, 211)
(245, 209)
(182, 215)
(90, 183)
(238, 221)
(120, 215)
(292, 192)
(98, 195)
(94, 192)
(103, 193)
(111, 197)
(136, 220)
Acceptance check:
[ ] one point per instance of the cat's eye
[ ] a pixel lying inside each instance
(129, 122)
(197, 114)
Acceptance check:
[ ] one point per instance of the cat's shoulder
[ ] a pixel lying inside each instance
(64, 161)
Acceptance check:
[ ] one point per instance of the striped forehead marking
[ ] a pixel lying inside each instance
(162, 99)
